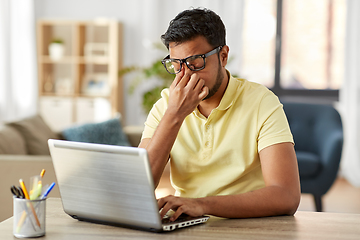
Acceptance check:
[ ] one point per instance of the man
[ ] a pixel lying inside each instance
(228, 140)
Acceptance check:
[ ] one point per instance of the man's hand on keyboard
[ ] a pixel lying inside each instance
(190, 206)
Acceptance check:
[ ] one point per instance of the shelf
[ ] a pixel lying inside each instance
(90, 61)
(63, 60)
(76, 60)
(94, 60)
(56, 95)
(92, 96)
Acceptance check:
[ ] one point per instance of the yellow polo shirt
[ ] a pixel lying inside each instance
(218, 155)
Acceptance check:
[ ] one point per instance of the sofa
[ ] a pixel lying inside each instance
(24, 151)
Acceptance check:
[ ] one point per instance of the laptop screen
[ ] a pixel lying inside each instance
(105, 183)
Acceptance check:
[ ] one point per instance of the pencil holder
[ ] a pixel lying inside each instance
(29, 217)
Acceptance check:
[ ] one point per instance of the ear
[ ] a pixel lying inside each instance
(224, 54)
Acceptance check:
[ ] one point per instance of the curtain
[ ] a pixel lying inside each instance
(18, 79)
(350, 96)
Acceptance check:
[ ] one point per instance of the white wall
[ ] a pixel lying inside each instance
(144, 21)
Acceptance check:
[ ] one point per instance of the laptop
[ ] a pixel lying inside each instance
(111, 185)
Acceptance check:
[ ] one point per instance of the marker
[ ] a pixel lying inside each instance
(36, 187)
(22, 184)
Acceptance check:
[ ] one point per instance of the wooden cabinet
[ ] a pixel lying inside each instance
(81, 72)
(57, 112)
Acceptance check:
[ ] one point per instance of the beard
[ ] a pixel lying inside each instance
(218, 82)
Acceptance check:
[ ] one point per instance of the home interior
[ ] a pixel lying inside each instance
(72, 75)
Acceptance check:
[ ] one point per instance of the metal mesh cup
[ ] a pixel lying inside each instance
(29, 217)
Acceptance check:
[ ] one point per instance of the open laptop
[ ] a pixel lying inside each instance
(110, 185)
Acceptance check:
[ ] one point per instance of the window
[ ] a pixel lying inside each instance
(295, 47)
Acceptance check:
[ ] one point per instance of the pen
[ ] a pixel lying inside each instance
(22, 184)
(48, 191)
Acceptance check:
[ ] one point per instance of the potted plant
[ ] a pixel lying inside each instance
(56, 49)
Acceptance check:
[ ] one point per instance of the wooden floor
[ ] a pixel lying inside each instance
(341, 198)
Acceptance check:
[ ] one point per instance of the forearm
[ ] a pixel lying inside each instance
(269, 201)
(160, 145)
(185, 94)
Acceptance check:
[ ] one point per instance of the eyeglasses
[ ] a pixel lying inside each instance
(194, 63)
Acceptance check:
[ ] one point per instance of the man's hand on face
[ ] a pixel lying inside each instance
(186, 92)
(189, 206)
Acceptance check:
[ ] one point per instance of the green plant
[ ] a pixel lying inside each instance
(57, 40)
(155, 70)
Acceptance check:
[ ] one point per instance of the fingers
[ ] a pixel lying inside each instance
(204, 92)
(170, 203)
(184, 81)
(180, 76)
(180, 206)
(163, 206)
(177, 79)
(186, 92)
(201, 89)
(193, 83)
(178, 212)
(187, 79)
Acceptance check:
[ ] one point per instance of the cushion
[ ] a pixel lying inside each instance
(11, 141)
(36, 133)
(309, 164)
(108, 132)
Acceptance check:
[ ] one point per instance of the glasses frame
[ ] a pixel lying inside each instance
(204, 56)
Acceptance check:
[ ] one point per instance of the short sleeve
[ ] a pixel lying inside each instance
(155, 115)
(272, 122)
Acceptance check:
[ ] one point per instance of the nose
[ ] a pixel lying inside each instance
(186, 69)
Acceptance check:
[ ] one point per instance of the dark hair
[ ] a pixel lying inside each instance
(193, 23)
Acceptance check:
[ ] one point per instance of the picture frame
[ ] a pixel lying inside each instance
(96, 84)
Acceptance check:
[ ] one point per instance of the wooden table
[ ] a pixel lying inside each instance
(304, 225)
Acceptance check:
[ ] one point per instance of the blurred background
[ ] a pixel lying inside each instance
(303, 50)
(307, 53)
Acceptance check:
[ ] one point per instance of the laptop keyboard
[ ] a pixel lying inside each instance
(181, 218)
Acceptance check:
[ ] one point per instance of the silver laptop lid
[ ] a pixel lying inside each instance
(105, 183)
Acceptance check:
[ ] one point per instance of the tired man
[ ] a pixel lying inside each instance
(228, 141)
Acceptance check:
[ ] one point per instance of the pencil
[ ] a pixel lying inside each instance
(42, 173)
(21, 221)
(22, 184)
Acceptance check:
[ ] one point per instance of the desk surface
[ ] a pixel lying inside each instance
(304, 225)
